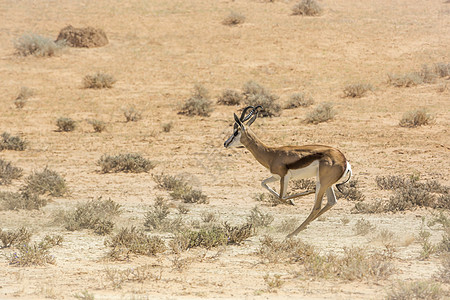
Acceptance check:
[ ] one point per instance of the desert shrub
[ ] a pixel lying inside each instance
(237, 234)
(97, 125)
(23, 96)
(15, 237)
(139, 274)
(233, 18)
(289, 250)
(369, 208)
(132, 114)
(357, 90)
(416, 118)
(426, 290)
(8, 142)
(273, 282)
(8, 172)
(443, 275)
(132, 240)
(322, 113)
(405, 80)
(299, 100)
(198, 104)
(270, 199)
(442, 69)
(50, 241)
(258, 218)
(363, 227)
(288, 225)
(392, 182)
(307, 8)
(168, 182)
(180, 190)
(31, 254)
(428, 74)
(156, 218)
(427, 247)
(65, 124)
(22, 200)
(350, 191)
(230, 97)
(83, 37)
(128, 163)
(167, 127)
(98, 80)
(34, 44)
(46, 182)
(95, 214)
(207, 237)
(255, 94)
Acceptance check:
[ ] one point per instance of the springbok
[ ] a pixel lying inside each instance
(326, 163)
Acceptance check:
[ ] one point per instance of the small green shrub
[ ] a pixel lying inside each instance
(416, 118)
(230, 97)
(34, 44)
(128, 163)
(30, 255)
(234, 18)
(8, 142)
(65, 124)
(23, 200)
(8, 172)
(255, 94)
(132, 240)
(425, 290)
(198, 104)
(95, 214)
(46, 182)
(258, 218)
(98, 81)
(299, 100)
(357, 90)
(322, 113)
(97, 125)
(14, 238)
(307, 8)
(132, 114)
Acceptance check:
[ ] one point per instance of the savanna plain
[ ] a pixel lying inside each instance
(115, 184)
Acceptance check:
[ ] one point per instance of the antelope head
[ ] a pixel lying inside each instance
(239, 127)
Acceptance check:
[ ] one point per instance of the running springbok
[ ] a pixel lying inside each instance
(327, 164)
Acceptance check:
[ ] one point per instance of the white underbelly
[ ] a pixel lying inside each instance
(310, 171)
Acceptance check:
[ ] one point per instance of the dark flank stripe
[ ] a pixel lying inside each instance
(305, 161)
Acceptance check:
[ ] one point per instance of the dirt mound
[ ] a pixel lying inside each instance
(87, 37)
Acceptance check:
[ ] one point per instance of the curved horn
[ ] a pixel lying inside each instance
(255, 112)
(244, 118)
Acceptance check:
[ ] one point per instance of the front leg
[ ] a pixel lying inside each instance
(269, 180)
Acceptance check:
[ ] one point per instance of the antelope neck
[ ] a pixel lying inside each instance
(261, 152)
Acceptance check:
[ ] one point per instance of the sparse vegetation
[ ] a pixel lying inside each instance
(31, 254)
(363, 227)
(34, 44)
(8, 172)
(299, 100)
(273, 282)
(46, 182)
(307, 8)
(180, 190)
(132, 240)
(97, 125)
(258, 218)
(9, 142)
(128, 163)
(321, 113)
(23, 96)
(16, 237)
(425, 290)
(198, 104)
(255, 94)
(166, 127)
(132, 114)
(424, 238)
(357, 90)
(233, 18)
(230, 97)
(117, 278)
(416, 118)
(350, 191)
(96, 215)
(98, 80)
(65, 124)
(156, 218)
(427, 74)
(22, 200)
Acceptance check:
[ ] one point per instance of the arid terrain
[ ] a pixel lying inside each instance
(158, 51)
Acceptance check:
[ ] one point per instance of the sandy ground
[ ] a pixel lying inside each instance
(158, 51)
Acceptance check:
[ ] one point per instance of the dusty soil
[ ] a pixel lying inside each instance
(158, 51)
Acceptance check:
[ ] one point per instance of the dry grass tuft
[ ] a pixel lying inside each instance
(167, 127)
(198, 104)
(46, 182)
(259, 219)
(299, 100)
(127, 163)
(8, 172)
(322, 113)
(94, 214)
(22, 200)
(132, 114)
(156, 218)
(416, 118)
(363, 227)
(132, 240)
(425, 290)
(31, 255)
(233, 19)
(23, 96)
(8, 142)
(14, 238)
(230, 97)
(97, 125)
(405, 80)
(357, 90)
(255, 94)
(307, 8)
(98, 81)
(350, 191)
(180, 190)
(34, 44)
(65, 124)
